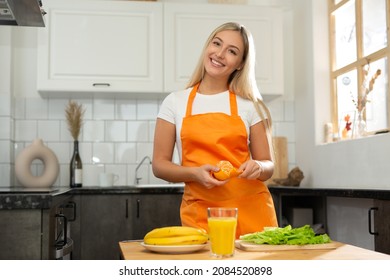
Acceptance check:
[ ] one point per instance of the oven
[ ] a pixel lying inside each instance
(64, 214)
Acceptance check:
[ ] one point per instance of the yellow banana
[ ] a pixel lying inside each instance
(173, 231)
(177, 240)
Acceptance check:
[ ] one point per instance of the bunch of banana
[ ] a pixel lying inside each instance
(176, 235)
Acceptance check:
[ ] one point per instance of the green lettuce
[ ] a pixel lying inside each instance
(286, 236)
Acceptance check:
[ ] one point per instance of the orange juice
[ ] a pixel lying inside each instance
(222, 233)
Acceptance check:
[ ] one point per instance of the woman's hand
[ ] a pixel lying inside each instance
(203, 176)
(251, 169)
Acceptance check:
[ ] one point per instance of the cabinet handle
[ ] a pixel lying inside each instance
(61, 243)
(138, 207)
(101, 84)
(127, 209)
(71, 204)
(370, 222)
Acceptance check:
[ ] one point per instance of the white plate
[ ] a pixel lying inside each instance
(174, 249)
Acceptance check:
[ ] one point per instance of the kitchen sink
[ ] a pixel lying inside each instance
(162, 185)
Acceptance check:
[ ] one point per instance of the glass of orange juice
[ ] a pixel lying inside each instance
(222, 223)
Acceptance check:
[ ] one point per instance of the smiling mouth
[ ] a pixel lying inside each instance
(216, 63)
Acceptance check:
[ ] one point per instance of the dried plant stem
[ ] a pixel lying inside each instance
(74, 115)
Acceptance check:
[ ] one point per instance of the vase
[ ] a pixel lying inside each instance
(37, 151)
(360, 127)
(76, 167)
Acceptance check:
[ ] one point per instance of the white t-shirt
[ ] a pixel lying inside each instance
(173, 109)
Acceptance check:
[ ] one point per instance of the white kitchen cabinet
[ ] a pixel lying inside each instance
(187, 27)
(100, 46)
(141, 48)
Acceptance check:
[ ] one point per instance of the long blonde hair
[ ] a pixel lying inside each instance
(242, 82)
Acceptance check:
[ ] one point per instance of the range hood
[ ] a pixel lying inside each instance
(22, 13)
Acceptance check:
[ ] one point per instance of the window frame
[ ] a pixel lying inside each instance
(361, 60)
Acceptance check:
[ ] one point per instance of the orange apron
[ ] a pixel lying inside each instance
(207, 139)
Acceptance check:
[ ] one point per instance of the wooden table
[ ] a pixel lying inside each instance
(133, 250)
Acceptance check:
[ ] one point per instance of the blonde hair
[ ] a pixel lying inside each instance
(243, 81)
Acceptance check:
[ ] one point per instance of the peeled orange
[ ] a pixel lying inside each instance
(226, 171)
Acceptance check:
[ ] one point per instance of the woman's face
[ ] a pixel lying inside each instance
(224, 54)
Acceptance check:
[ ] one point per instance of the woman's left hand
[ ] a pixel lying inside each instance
(250, 170)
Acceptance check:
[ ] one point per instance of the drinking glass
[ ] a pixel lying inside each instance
(222, 223)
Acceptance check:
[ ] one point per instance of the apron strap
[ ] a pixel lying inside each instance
(233, 104)
(191, 100)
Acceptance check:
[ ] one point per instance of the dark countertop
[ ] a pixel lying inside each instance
(44, 198)
(338, 192)
(126, 190)
(30, 198)
(35, 198)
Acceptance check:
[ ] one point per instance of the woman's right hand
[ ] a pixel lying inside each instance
(203, 176)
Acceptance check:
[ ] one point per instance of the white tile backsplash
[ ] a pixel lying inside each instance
(26, 130)
(5, 175)
(289, 111)
(90, 174)
(115, 131)
(144, 149)
(19, 108)
(93, 131)
(116, 135)
(57, 109)
(147, 109)
(104, 109)
(5, 128)
(49, 130)
(65, 135)
(138, 131)
(62, 151)
(126, 110)
(5, 152)
(277, 110)
(5, 108)
(86, 152)
(104, 152)
(63, 177)
(36, 109)
(120, 170)
(125, 153)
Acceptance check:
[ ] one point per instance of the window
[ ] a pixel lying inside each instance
(359, 48)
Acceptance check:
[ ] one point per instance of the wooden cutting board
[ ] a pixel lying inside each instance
(281, 159)
(248, 246)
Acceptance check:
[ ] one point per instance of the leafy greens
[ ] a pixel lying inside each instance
(286, 236)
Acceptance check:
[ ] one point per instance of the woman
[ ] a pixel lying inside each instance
(220, 116)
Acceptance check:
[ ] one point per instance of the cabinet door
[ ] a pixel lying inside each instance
(382, 226)
(348, 221)
(20, 234)
(153, 211)
(100, 46)
(187, 27)
(103, 224)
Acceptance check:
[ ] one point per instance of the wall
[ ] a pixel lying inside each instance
(6, 123)
(117, 133)
(358, 163)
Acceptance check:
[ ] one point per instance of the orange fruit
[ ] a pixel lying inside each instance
(226, 171)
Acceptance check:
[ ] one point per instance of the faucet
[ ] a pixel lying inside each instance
(136, 178)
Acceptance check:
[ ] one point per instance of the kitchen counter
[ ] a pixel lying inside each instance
(133, 250)
(36, 198)
(338, 192)
(43, 198)
(30, 198)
